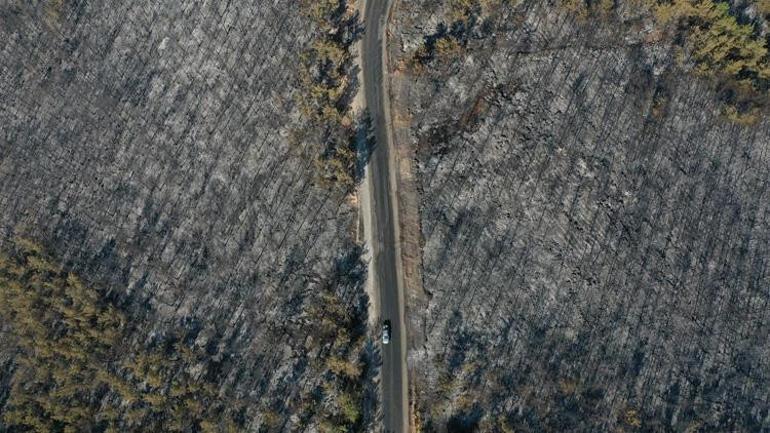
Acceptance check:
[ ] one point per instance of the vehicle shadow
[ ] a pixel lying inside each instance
(365, 144)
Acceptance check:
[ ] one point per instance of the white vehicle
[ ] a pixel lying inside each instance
(386, 332)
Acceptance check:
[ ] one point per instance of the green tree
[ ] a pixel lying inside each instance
(72, 373)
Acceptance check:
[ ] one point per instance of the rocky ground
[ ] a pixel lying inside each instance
(152, 148)
(594, 231)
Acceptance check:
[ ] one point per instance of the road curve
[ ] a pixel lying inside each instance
(384, 218)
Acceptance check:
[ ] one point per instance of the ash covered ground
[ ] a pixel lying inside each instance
(152, 148)
(594, 231)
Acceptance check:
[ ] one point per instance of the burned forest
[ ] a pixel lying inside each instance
(155, 170)
(593, 211)
(387, 216)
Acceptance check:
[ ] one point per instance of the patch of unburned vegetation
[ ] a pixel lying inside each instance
(80, 367)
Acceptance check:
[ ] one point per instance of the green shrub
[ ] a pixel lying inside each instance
(324, 82)
(732, 55)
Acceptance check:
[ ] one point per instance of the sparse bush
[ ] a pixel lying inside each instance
(631, 418)
(351, 411)
(270, 419)
(447, 46)
(732, 54)
(325, 83)
(342, 364)
(451, 37)
(344, 368)
(589, 8)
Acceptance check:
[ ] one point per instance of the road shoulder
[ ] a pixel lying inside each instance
(408, 230)
(365, 190)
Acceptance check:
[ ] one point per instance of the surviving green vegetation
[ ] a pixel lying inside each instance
(343, 364)
(325, 79)
(451, 37)
(719, 41)
(78, 369)
(343, 367)
(733, 54)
